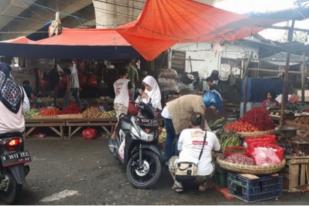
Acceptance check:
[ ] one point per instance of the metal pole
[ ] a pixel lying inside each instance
(303, 79)
(286, 73)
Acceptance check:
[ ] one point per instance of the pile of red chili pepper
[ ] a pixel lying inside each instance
(71, 109)
(259, 117)
(49, 111)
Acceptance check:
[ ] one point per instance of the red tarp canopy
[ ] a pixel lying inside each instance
(164, 23)
(161, 24)
(86, 37)
(19, 40)
(72, 43)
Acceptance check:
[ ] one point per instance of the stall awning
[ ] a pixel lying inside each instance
(72, 43)
(86, 37)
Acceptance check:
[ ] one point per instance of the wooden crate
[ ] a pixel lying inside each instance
(296, 174)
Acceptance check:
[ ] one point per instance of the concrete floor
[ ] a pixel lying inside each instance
(84, 172)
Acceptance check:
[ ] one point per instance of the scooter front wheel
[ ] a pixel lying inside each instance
(144, 175)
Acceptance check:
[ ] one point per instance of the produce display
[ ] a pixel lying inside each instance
(32, 113)
(240, 126)
(49, 111)
(71, 109)
(257, 119)
(260, 151)
(302, 120)
(217, 124)
(229, 140)
(240, 159)
(96, 113)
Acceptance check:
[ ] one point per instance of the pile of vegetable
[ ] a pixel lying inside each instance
(240, 126)
(257, 119)
(96, 113)
(229, 140)
(262, 151)
(49, 111)
(32, 113)
(217, 124)
(240, 159)
(71, 109)
(301, 120)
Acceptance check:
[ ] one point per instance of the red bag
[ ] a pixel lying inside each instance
(89, 133)
(269, 139)
(278, 150)
(132, 109)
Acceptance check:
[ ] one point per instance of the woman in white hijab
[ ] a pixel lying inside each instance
(151, 93)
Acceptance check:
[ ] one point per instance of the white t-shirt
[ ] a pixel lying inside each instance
(190, 144)
(165, 113)
(121, 92)
(74, 77)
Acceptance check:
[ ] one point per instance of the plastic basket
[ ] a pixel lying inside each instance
(253, 190)
(220, 177)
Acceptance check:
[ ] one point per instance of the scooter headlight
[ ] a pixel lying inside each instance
(147, 136)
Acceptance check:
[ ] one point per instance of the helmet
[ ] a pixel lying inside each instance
(212, 98)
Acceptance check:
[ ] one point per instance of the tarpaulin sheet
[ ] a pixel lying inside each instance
(86, 37)
(72, 43)
(164, 23)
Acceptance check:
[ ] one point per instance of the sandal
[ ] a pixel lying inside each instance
(177, 188)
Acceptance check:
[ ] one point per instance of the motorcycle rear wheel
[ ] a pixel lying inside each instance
(140, 178)
(13, 190)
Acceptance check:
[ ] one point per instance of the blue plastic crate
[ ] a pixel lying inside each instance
(252, 190)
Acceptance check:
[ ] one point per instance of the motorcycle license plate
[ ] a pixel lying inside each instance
(15, 158)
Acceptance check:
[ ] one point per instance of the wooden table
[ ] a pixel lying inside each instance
(58, 125)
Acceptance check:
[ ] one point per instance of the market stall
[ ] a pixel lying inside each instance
(67, 122)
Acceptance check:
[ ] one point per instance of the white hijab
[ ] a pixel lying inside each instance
(155, 93)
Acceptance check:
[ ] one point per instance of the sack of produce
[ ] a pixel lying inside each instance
(269, 139)
(270, 149)
(89, 133)
(265, 156)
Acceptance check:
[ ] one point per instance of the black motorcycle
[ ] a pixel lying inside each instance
(13, 168)
(141, 155)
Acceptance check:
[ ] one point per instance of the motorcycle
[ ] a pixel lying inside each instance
(13, 168)
(137, 138)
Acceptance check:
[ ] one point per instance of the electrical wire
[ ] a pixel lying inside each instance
(20, 17)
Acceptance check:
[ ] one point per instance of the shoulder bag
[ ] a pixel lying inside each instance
(187, 170)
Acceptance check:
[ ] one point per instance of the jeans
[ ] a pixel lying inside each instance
(75, 94)
(170, 144)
